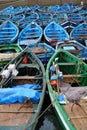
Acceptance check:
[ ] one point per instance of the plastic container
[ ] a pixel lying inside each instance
(11, 67)
(53, 83)
(5, 74)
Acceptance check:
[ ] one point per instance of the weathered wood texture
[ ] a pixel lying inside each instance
(15, 3)
(4, 56)
(14, 114)
(78, 116)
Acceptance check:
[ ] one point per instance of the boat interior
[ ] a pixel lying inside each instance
(74, 87)
(17, 114)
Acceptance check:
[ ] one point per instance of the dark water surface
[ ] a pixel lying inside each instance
(48, 120)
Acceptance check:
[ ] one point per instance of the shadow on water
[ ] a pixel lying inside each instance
(48, 120)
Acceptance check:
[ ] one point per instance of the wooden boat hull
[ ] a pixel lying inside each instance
(76, 18)
(44, 18)
(74, 47)
(79, 32)
(70, 116)
(8, 32)
(4, 17)
(17, 18)
(31, 34)
(30, 17)
(60, 17)
(43, 51)
(69, 25)
(19, 115)
(53, 33)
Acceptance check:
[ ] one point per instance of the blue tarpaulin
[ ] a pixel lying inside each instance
(30, 86)
(18, 94)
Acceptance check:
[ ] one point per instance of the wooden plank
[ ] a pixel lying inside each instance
(39, 50)
(4, 56)
(15, 112)
(74, 76)
(33, 36)
(28, 65)
(79, 123)
(33, 32)
(15, 119)
(71, 80)
(66, 63)
(27, 77)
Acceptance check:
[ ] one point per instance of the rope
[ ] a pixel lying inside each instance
(41, 114)
(79, 65)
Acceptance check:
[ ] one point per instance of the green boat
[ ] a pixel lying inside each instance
(7, 52)
(23, 86)
(66, 77)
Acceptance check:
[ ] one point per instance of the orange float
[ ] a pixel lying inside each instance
(53, 83)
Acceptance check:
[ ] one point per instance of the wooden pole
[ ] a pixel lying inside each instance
(17, 112)
(58, 80)
(77, 117)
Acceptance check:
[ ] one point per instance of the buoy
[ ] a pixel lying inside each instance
(53, 83)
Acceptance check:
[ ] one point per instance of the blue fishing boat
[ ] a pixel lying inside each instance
(68, 25)
(17, 18)
(85, 19)
(32, 33)
(60, 17)
(30, 17)
(74, 47)
(19, 10)
(4, 17)
(34, 7)
(44, 18)
(74, 9)
(74, 17)
(43, 51)
(83, 12)
(65, 7)
(33, 15)
(8, 32)
(42, 8)
(79, 32)
(7, 10)
(53, 8)
(54, 32)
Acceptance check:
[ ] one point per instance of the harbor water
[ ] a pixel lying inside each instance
(48, 119)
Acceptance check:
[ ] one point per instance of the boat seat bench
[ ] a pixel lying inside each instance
(28, 65)
(66, 63)
(32, 36)
(74, 76)
(35, 32)
(27, 77)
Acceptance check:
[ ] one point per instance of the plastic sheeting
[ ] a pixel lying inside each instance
(29, 86)
(18, 94)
